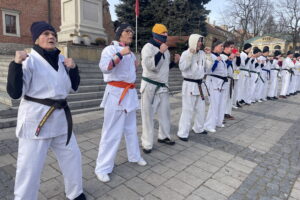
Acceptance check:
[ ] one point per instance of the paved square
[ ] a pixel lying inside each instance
(256, 156)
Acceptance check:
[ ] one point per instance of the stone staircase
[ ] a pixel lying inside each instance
(87, 98)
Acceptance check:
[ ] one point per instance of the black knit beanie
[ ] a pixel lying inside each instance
(247, 46)
(266, 49)
(277, 53)
(289, 53)
(37, 28)
(256, 50)
(120, 29)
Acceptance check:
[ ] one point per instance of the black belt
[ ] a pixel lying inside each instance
(231, 86)
(199, 82)
(268, 73)
(54, 104)
(224, 78)
(246, 70)
(275, 69)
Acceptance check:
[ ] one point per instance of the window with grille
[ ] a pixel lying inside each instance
(10, 21)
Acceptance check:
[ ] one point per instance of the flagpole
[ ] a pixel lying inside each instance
(136, 36)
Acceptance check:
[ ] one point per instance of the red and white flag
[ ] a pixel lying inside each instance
(137, 8)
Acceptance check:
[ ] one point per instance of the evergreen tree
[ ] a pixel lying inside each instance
(182, 17)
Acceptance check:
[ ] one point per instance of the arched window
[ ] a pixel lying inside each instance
(277, 47)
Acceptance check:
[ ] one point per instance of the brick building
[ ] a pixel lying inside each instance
(16, 17)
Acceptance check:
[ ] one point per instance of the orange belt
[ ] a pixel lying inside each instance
(122, 84)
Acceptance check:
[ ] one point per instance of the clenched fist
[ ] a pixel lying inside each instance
(20, 56)
(163, 48)
(69, 63)
(126, 50)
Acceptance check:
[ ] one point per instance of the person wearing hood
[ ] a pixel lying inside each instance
(217, 83)
(243, 95)
(287, 65)
(120, 102)
(43, 79)
(192, 65)
(156, 62)
(275, 69)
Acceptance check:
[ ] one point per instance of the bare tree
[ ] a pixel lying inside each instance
(289, 14)
(239, 15)
(271, 26)
(260, 16)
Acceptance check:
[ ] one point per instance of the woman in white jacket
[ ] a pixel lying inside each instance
(192, 64)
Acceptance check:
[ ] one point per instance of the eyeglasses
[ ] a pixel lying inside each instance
(129, 30)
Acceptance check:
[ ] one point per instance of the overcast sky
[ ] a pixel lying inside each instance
(216, 6)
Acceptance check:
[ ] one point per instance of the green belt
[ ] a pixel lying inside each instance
(158, 85)
(259, 76)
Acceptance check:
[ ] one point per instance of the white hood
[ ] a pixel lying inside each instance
(193, 40)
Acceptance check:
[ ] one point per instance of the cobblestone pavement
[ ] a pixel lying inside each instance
(256, 156)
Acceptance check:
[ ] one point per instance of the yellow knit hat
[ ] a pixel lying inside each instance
(159, 29)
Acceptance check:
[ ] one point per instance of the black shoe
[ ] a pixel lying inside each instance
(247, 104)
(269, 98)
(147, 151)
(80, 197)
(275, 98)
(183, 139)
(242, 101)
(238, 104)
(166, 141)
(203, 133)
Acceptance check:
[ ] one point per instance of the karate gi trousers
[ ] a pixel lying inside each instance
(217, 106)
(116, 123)
(285, 79)
(31, 158)
(161, 105)
(193, 113)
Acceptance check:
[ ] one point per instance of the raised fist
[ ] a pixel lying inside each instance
(125, 51)
(20, 56)
(163, 48)
(69, 63)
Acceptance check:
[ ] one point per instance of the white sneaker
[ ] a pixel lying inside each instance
(259, 101)
(235, 107)
(211, 130)
(103, 177)
(222, 126)
(142, 162)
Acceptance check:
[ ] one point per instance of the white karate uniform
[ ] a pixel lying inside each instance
(244, 79)
(262, 79)
(285, 74)
(273, 90)
(41, 80)
(230, 73)
(152, 102)
(266, 75)
(297, 72)
(236, 77)
(193, 107)
(218, 95)
(253, 80)
(120, 118)
(293, 81)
